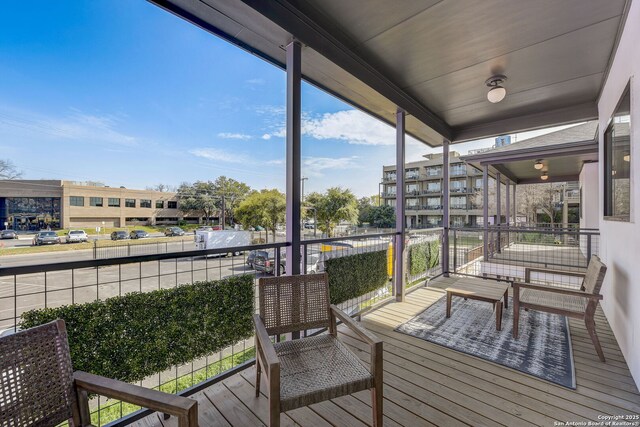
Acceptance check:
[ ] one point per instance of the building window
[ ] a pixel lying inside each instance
(95, 201)
(114, 202)
(76, 201)
(145, 203)
(129, 203)
(617, 161)
(159, 204)
(172, 205)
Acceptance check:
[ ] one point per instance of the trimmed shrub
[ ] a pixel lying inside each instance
(423, 256)
(136, 335)
(354, 275)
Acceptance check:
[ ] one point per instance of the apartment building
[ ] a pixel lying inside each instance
(423, 192)
(35, 204)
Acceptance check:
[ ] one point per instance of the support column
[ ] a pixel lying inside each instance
(398, 270)
(515, 204)
(507, 192)
(498, 200)
(446, 222)
(293, 157)
(485, 210)
(498, 212)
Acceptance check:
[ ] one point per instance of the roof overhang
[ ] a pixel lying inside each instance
(562, 162)
(430, 58)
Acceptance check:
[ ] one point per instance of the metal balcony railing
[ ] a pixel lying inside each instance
(37, 286)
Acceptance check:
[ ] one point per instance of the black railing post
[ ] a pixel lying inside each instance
(95, 249)
(588, 247)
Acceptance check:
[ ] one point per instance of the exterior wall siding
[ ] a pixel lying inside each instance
(620, 241)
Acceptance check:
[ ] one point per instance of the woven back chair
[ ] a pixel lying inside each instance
(581, 304)
(294, 303)
(313, 369)
(39, 387)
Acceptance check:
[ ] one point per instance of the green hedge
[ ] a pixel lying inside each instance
(423, 256)
(354, 275)
(136, 335)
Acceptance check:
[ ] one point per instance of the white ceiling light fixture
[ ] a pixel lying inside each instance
(497, 92)
(544, 176)
(538, 165)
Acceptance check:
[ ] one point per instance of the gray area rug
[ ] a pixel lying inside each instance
(543, 348)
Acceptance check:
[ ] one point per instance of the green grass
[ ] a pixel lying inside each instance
(64, 247)
(116, 409)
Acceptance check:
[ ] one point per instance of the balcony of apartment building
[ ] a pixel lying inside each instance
(442, 305)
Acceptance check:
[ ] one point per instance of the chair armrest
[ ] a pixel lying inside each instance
(354, 326)
(266, 349)
(528, 270)
(182, 407)
(518, 285)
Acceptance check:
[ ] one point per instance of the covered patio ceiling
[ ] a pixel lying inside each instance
(561, 153)
(431, 58)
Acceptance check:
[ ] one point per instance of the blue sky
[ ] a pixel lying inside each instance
(123, 92)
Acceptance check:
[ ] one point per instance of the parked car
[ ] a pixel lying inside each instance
(119, 235)
(252, 255)
(46, 238)
(8, 234)
(138, 234)
(77, 236)
(309, 225)
(267, 264)
(174, 231)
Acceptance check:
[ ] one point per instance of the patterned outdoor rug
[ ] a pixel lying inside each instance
(543, 348)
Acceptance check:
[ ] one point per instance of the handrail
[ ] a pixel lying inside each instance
(358, 236)
(70, 265)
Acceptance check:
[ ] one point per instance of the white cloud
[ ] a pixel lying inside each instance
(351, 126)
(314, 166)
(276, 162)
(266, 137)
(77, 126)
(229, 135)
(219, 155)
(256, 81)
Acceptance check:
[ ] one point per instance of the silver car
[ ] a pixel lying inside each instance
(77, 236)
(46, 238)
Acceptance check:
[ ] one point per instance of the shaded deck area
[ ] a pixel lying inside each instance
(426, 384)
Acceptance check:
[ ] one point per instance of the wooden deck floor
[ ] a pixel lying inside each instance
(426, 384)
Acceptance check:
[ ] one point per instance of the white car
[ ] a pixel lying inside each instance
(77, 236)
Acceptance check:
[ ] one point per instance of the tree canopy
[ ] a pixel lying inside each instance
(332, 207)
(206, 197)
(265, 208)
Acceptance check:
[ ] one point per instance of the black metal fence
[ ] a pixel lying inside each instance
(29, 287)
(507, 252)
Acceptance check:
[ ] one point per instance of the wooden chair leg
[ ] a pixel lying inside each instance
(376, 400)
(516, 313)
(591, 327)
(258, 372)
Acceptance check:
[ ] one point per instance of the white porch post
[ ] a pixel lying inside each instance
(398, 269)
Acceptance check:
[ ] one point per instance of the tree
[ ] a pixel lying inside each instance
(332, 207)
(383, 216)
(8, 170)
(234, 192)
(364, 210)
(266, 208)
(534, 197)
(162, 188)
(198, 197)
